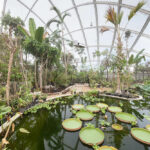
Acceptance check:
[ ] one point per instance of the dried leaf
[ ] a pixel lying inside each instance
(23, 130)
(13, 127)
(4, 141)
(104, 29)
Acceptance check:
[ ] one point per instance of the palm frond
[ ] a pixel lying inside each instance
(52, 21)
(57, 12)
(65, 15)
(111, 16)
(119, 17)
(136, 9)
(23, 31)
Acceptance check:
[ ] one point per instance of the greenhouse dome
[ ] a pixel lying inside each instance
(58, 53)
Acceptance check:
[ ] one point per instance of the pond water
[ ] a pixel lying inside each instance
(46, 132)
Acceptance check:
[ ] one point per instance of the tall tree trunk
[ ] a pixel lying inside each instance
(63, 45)
(41, 76)
(35, 74)
(119, 54)
(22, 67)
(9, 75)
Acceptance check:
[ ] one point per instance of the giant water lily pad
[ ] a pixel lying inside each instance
(117, 127)
(107, 148)
(125, 117)
(77, 106)
(114, 109)
(85, 115)
(141, 135)
(93, 108)
(91, 136)
(102, 105)
(72, 124)
(148, 127)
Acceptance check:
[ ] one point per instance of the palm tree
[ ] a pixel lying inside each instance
(35, 39)
(60, 21)
(12, 39)
(115, 19)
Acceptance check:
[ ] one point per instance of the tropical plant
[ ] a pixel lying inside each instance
(12, 39)
(116, 19)
(60, 22)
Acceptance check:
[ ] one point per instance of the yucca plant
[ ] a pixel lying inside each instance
(115, 19)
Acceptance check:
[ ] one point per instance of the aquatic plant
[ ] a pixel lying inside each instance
(104, 123)
(91, 136)
(142, 135)
(35, 108)
(72, 124)
(117, 127)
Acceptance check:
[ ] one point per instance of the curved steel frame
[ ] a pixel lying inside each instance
(95, 3)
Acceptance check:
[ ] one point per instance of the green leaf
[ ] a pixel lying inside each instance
(23, 31)
(32, 27)
(39, 34)
(23, 130)
(135, 9)
(4, 110)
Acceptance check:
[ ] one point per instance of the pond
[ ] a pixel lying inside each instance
(46, 132)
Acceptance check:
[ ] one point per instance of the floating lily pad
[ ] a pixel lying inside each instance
(114, 109)
(77, 106)
(107, 148)
(141, 135)
(102, 105)
(93, 108)
(85, 115)
(91, 136)
(125, 117)
(72, 124)
(117, 127)
(148, 127)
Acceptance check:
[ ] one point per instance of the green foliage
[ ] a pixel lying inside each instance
(39, 34)
(103, 110)
(104, 123)
(90, 125)
(4, 110)
(11, 23)
(32, 27)
(35, 108)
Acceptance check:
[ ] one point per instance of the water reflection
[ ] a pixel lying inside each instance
(46, 132)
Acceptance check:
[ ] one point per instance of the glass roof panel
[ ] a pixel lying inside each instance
(16, 9)
(45, 13)
(135, 2)
(135, 23)
(91, 36)
(87, 15)
(62, 5)
(29, 3)
(106, 37)
(82, 1)
(143, 43)
(147, 30)
(78, 37)
(72, 21)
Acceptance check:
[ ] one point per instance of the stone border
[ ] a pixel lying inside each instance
(122, 98)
